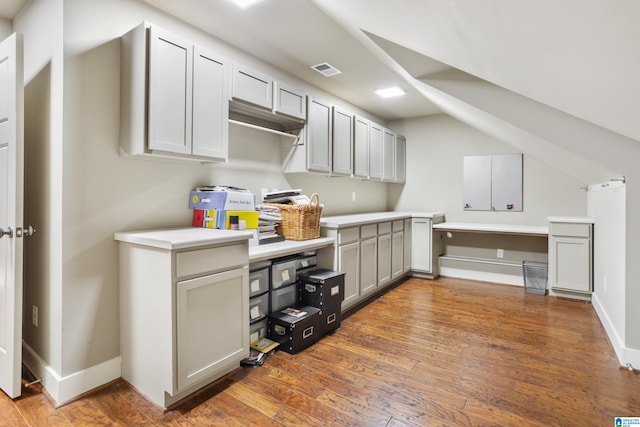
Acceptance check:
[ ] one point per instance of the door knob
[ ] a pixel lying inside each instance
(7, 232)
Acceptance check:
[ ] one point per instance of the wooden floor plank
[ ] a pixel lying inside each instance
(448, 352)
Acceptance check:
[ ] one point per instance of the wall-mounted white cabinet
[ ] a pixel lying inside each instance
(360, 147)
(174, 97)
(319, 136)
(388, 155)
(570, 255)
(376, 133)
(493, 183)
(342, 142)
(260, 90)
(401, 159)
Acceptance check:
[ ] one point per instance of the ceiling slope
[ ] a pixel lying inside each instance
(576, 56)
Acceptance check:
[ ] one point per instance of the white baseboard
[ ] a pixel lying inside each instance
(63, 389)
(625, 355)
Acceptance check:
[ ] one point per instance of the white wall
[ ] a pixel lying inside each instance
(6, 29)
(606, 206)
(83, 191)
(436, 146)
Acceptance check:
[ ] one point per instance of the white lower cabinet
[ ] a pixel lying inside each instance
(407, 245)
(349, 263)
(425, 248)
(384, 253)
(397, 249)
(368, 259)
(183, 314)
(570, 257)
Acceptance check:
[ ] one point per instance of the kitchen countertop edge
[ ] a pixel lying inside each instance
(340, 221)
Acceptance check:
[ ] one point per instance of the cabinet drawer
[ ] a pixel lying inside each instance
(201, 261)
(569, 229)
(369, 230)
(398, 225)
(348, 235)
(258, 330)
(384, 227)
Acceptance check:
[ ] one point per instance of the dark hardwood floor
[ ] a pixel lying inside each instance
(444, 353)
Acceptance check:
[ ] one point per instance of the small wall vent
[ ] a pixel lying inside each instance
(326, 69)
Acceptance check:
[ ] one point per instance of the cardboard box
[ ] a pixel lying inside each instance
(223, 200)
(214, 218)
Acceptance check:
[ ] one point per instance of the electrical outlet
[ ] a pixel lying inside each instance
(34, 315)
(500, 253)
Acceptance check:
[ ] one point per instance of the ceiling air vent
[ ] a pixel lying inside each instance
(326, 69)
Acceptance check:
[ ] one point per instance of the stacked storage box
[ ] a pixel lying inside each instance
(259, 274)
(323, 289)
(294, 327)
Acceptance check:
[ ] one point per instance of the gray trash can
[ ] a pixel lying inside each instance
(535, 277)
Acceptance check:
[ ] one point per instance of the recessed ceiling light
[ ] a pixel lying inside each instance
(243, 4)
(390, 92)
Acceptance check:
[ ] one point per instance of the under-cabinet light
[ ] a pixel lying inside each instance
(390, 92)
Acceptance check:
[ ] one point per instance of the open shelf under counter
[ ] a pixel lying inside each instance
(525, 230)
(288, 247)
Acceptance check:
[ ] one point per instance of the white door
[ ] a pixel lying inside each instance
(11, 194)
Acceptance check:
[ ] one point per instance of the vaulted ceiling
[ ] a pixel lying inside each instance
(529, 64)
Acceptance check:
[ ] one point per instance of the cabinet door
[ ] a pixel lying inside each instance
(421, 244)
(170, 92)
(407, 245)
(384, 259)
(319, 131)
(375, 151)
(360, 147)
(506, 182)
(389, 155)
(252, 86)
(477, 183)
(349, 263)
(401, 160)
(570, 263)
(212, 331)
(368, 265)
(210, 105)
(397, 254)
(290, 101)
(342, 142)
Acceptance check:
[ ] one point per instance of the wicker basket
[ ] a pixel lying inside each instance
(300, 222)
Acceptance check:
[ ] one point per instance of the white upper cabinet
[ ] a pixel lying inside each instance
(388, 155)
(210, 100)
(252, 86)
(360, 147)
(319, 133)
(401, 159)
(170, 94)
(274, 97)
(289, 100)
(375, 151)
(342, 142)
(174, 97)
(493, 183)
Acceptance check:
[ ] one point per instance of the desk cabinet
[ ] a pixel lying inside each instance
(183, 316)
(570, 257)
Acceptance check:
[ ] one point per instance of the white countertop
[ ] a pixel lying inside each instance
(493, 228)
(359, 219)
(572, 219)
(180, 238)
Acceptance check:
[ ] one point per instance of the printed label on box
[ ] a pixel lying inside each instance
(335, 290)
(255, 285)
